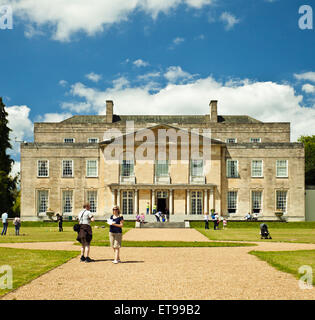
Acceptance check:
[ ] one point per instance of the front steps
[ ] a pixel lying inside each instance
(166, 225)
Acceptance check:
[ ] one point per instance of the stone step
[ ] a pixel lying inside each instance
(168, 225)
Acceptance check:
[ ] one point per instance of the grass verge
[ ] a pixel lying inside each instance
(288, 261)
(30, 264)
(289, 235)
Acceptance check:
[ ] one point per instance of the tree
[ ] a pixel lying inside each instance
(309, 145)
(7, 183)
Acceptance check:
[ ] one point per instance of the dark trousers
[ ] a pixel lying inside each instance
(5, 228)
(60, 227)
(206, 224)
(17, 230)
(214, 225)
(158, 219)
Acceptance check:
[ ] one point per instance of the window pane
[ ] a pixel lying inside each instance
(282, 168)
(127, 202)
(127, 168)
(67, 168)
(93, 140)
(69, 140)
(256, 201)
(196, 168)
(42, 201)
(282, 200)
(92, 168)
(196, 202)
(257, 168)
(232, 171)
(161, 168)
(42, 168)
(92, 200)
(232, 201)
(67, 201)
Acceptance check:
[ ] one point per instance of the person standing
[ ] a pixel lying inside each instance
(154, 209)
(216, 221)
(157, 216)
(60, 220)
(17, 225)
(115, 233)
(148, 208)
(206, 218)
(85, 234)
(4, 218)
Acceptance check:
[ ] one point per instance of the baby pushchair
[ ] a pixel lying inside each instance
(264, 233)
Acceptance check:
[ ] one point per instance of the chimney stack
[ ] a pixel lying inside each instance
(213, 110)
(109, 111)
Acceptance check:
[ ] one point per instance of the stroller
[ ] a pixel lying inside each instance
(264, 233)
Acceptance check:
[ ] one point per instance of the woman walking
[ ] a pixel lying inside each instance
(115, 232)
(85, 234)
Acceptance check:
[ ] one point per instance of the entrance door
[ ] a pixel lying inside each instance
(161, 205)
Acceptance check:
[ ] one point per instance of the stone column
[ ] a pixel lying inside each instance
(205, 209)
(153, 200)
(171, 202)
(113, 198)
(188, 202)
(118, 199)
(212, 198)
(136, 201)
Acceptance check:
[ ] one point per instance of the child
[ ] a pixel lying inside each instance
(142, 218)
(224, 223)
(138, 218)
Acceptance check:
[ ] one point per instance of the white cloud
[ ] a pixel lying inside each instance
(21, 126)
(178, 40)
(140, 63)
(308, 76)
(93, 77)
(149, 75)
(15, 169)
(53, 117)
(65, 18)
(76, 106)
(308, 88)
(229, 19)
(63, 83)
(175, 73)
(265, 101)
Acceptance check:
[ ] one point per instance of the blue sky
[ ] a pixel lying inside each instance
(157, 56)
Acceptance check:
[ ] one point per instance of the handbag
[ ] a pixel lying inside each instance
(77, 226)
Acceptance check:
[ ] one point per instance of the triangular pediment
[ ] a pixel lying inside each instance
(203, 134)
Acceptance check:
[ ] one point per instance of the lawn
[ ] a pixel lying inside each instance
(30, 264)
(288, 261)
(299, 232)
(49, 233)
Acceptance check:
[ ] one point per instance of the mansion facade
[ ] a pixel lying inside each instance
(242, 165)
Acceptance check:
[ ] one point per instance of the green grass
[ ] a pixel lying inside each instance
(173, 244)
(284, 234)
(255, 225)
(51, 234)
(30, 264)
(288, 261)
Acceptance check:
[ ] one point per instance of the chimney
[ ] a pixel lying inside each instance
(109, 111)
(213, 110)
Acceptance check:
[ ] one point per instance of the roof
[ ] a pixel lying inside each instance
(167, 119)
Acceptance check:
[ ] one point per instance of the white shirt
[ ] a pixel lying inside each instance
(85, 216)
(206, 217)
(4, 217)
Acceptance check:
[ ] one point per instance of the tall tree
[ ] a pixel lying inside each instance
(7, 183)
(309, 145)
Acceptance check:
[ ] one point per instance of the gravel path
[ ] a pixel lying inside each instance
(165, 273)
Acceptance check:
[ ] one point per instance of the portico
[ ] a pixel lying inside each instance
(181, 199)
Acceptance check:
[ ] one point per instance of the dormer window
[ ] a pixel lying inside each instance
(255, 140)
(93, 140)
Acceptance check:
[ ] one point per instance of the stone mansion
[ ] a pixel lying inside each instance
(242, 165)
